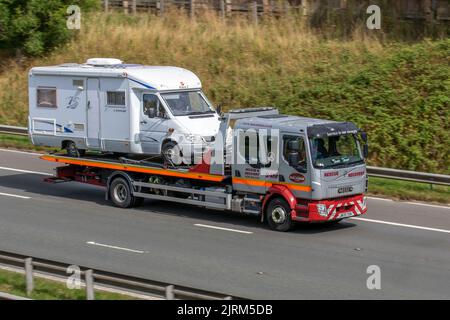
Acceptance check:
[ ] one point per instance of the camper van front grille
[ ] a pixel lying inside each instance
(209, 138)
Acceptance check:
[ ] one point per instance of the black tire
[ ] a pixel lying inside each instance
(278, 215)
(170, 152)
(72, 150)
(120, 193)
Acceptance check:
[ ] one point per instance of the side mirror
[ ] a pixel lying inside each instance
(366, 151)
(364, 136)
(219, 110)
(151, 113)
(293, 159)
(294, 145)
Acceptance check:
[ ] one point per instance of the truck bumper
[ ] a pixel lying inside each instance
(329, 209)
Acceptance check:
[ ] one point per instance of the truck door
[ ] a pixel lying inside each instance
(153, 123)
(93, 113)
(294, 170)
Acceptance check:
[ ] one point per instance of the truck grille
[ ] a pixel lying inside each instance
(342, 190)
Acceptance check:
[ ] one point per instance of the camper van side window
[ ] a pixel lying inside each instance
(46, 97)
(115, 98)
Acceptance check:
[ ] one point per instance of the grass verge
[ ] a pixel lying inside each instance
(44, 289)
(20, 142)
(403, 190)
(406, 190)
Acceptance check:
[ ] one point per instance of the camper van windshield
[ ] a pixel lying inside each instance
(187, 103)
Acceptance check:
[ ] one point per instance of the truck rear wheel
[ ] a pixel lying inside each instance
(278, 215)
(120, 193)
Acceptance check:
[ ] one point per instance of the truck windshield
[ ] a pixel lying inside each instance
(335, 151)
(187, 103)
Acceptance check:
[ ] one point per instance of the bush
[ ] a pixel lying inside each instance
(34, 27)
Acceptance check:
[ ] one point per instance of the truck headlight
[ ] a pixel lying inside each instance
(322, 209)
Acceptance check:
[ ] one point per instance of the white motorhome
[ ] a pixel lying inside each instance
(109, 106)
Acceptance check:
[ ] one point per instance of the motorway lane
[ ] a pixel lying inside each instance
(310, 262)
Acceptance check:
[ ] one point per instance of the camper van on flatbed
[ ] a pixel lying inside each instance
(108, 106)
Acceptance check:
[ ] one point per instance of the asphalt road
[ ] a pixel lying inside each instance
(180, 244)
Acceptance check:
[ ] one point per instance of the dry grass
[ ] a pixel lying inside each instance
(397, 91)
(222, 52)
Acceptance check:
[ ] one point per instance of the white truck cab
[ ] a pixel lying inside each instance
(108, 106)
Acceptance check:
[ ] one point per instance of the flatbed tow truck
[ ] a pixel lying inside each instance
(305, 170)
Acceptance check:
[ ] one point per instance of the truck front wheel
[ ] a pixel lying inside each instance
(120, 193)
(278, 215)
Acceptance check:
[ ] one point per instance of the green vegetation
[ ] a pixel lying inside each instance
(19, 142)
(406, 190)
(35, 27)
(399, 92)
(14, 283)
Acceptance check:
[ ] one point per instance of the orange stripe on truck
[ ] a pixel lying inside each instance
(267, 184)
(133, 168)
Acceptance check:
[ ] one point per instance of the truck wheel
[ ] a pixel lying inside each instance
(170, 152)
(278, 215)
(72, 150)
(120, 193)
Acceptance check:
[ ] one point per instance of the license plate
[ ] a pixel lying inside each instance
(345, 215)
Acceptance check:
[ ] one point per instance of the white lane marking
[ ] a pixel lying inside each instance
(402, 225)
(409, 202)
(381, 199)
(427, 205)
(25, 171)
(14, 195)
(220, 228)
(21, 152)
(114, 247)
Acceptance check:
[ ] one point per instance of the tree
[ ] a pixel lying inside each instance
(33, 27)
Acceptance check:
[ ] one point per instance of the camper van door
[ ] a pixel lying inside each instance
(93, 113)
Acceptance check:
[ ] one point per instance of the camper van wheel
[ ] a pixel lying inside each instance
(278, 215)
(120, 193)
(72, 150)
(170, 152)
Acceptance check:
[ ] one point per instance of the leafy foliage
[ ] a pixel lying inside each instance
(34, 27)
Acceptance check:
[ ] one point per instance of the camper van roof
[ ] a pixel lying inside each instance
(141, 76)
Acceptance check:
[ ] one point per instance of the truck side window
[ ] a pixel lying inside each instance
(152, 101)
(252, 149)
(301, 152)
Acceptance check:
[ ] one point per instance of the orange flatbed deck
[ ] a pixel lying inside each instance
(113, 165)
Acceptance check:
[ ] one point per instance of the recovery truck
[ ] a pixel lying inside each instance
(311, 170)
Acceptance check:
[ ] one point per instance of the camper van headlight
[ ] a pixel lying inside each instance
(193, 138)
(189, 137)
(322, 209)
